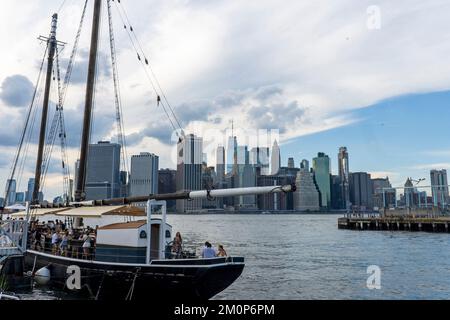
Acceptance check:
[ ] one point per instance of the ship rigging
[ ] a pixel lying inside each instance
(130, 259)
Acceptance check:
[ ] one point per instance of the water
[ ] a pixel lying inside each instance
(307, 257)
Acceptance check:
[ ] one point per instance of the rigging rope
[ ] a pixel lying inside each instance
(145, 63)
(24, 131)
(117, 93)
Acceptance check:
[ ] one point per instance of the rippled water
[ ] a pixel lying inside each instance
(307, 257)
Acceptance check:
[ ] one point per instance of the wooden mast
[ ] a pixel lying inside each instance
(80, 194)
(52, 43)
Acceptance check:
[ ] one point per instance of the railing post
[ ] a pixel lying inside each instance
(149, 230)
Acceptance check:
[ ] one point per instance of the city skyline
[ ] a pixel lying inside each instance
(344, 86)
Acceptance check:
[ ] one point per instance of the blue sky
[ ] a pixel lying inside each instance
(402, 137)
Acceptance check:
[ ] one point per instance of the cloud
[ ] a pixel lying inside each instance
(431, 166)
(80, 68)
(16, 91)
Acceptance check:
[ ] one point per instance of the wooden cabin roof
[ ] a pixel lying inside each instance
(125, 225)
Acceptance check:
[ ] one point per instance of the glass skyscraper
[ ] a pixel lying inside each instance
(322, 172)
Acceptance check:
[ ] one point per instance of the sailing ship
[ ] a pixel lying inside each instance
(132, 260)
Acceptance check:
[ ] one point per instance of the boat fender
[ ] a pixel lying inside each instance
(42, 276)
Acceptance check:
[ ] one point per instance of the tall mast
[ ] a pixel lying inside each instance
(51, 55)
(81, 180)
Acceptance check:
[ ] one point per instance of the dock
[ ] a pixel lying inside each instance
(396, 222)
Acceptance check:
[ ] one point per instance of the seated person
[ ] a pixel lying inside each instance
(222, 252)
(208, 251)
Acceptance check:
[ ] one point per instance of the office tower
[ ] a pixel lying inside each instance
(411, 195)
(189, 171)
(322, 171)
(304, 164)
(307, 197)
(275, 159)
(30, 189)
(103, 171)
(220, 163)
(381, 183)
(259, 157)
(246, 178)
(144, 174)
(384, 196)
(231, 155)
(20, 198)
(439, 187)
(361, 190)
(167, 183)
(344, 173)
(11, 185)
(291, 163)
(336, 192)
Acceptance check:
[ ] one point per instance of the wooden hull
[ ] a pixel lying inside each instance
(190, 279)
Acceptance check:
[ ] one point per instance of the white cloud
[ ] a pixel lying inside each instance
(321, 55)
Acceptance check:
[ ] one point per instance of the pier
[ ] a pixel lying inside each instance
(400, 220)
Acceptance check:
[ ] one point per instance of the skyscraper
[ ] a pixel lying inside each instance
(144, 174)
(246, 178)
(167, 183)
(344, 173)
(231, 155)
(322, 171)
(259, 157)
(275, 159)
(30, 189)
(291, 163)
(306, 198)
(361, 190)
(189, 171)
(103, 171)
(220, 163)
(439, 187)
(11, 200)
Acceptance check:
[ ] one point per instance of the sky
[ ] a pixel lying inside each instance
(370, 75)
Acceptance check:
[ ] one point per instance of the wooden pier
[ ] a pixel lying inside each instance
(395, 223)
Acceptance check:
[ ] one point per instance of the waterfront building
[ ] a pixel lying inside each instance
(439, 188)
(274, 202)
(275, 159)
(307, 197)
(344, 174)
(189, 171)
(144, 174)
(291, 163)
(411, 196)
(167, 183)
(336, 193)
(220, 163)
(361, 191)
(103, 171)
(322, 171)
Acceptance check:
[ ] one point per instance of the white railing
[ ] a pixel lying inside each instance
(13, 234)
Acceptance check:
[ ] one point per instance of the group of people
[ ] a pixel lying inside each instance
(207, 252)
(56, 238)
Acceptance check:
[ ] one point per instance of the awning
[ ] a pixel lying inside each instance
(97, 212)
(39, 212)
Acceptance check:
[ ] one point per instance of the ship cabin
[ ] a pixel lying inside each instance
(127, 242)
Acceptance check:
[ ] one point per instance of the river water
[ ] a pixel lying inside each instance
(307, 257)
